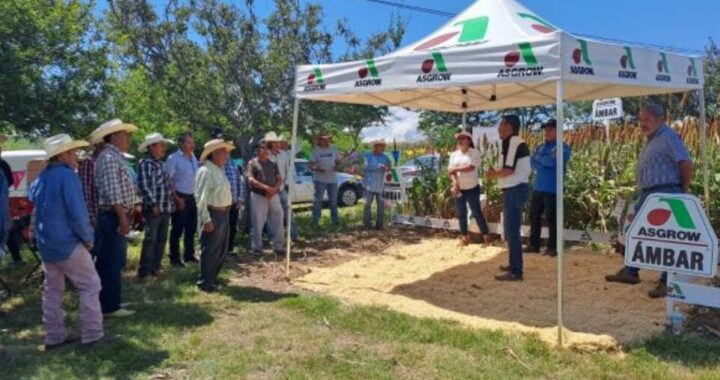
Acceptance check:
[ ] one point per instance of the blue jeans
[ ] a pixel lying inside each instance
(514, 199)
(184, 224)
(110, 261)
(332, 193)
(671, 189)
(471, 197)
(367, 212)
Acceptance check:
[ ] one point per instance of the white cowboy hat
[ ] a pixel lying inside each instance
(62, 143)
(214, 145)
(463, 134)
(378, 142)
(271, 137)
(110, 127)
(150, 139)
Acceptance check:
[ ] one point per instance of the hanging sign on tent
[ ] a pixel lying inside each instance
(672, 233)
(607, 109)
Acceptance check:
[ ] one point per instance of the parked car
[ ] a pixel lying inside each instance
(25, 165)
(415, 167)
(350, 188)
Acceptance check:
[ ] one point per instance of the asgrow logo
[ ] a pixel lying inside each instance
(472, 30)
(539, 24)
(661, 216)
(628, 65)
(677, 292)
(663, 71)
(692, 73)
(512, 59)
(429, 65)
(581, 59)
(315, 81)
(370, 69)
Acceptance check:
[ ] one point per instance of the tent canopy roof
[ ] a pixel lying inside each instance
(498, 54)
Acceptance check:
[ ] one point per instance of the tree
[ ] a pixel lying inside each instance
(52, 66)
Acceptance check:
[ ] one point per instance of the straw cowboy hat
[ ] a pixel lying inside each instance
(378, 142)
(271, 137)
(150, 139)
(110, 127)
(463, 134)
(214, 145)
(62, 143)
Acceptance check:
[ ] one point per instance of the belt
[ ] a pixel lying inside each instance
(184, 195)
(520, 186)
(660, 187)
(221, 209)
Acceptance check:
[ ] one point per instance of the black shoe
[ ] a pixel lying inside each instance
(191, 259)
(623, 276)
(505, 268)
(531, 249)
(509, 277)
(660, 291)
(550, 252)
(68, 341)
(207, 288)
(177, 264)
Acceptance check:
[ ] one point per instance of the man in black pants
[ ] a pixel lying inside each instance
(544, 192)
(182, 167)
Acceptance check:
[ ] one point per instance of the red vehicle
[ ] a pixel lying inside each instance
(25, 166)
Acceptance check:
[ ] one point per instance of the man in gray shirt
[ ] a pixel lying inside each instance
(323, 163)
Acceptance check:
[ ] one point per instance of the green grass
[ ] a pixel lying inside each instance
(247, 332)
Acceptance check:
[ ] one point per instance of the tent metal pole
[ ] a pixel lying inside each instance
(703, 149)
(291, 181)
(559, 176)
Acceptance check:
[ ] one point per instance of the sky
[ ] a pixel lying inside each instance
(668, 23)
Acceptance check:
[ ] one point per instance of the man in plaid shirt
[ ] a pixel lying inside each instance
(157, 204)
(117, 196)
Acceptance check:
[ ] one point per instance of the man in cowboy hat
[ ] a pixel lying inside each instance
(323, 163)
(64, 237)
(513, 175)
(117, 197)
(265, 185)
(236, 188)
(377, 164)
(214, 198)
(182, 166)
(86, 171)
(544, 192)
(154, 184)
(279, 154)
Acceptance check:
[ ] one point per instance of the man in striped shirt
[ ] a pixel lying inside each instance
(117, 196)
(156, 191)
(664, 166)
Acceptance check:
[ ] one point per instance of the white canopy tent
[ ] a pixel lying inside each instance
(497, 54)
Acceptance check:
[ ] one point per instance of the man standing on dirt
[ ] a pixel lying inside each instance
(512, 173)
(377, 164)
(544, 193)
(280, 154)
(182, 166)
(324, 163)
(265, 185)
(664, 166)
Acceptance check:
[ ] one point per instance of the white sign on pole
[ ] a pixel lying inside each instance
(672, 233)
(394, 190)
(607, 109)
(694, 294)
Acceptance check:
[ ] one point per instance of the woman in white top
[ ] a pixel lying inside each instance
(463, 169)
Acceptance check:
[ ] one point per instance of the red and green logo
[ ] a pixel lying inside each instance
(436, 63)
(471, 30)
(369, 70)
(315, 81)
(581, 59)
(538, 24)
(677, 209)
(525, 54)
(692, 73)
(627, 63)
(662, 68)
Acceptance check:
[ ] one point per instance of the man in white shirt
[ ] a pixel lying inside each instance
(513, 175)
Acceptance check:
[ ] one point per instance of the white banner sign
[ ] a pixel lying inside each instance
(672, 233)
(694, 294)
(607, 109)
(394, 190)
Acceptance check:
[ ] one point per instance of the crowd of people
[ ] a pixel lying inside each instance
(83, 209)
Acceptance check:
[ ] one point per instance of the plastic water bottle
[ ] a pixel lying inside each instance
(677, 319)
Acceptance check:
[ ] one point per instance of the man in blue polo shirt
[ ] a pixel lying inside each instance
(664, 166)
(543, 197)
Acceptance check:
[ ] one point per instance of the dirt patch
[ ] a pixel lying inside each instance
(433, 278)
